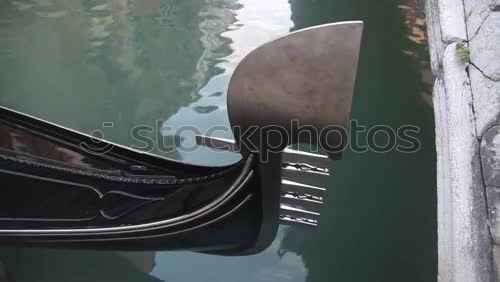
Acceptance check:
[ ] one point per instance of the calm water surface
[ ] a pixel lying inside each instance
(167, 63)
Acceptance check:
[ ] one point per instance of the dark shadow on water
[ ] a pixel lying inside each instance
(380, 220)
(39, 264)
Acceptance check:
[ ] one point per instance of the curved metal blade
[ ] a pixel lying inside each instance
(306, 76)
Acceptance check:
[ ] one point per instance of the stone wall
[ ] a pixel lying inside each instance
(467, 110)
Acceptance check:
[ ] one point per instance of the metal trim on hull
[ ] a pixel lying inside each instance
(240, 182)
(217, 219)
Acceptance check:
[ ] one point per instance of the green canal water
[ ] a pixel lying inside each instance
(167, 63)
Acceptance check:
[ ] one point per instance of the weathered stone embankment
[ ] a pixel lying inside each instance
(467, 113)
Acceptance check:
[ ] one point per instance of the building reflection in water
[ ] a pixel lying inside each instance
(83, 63)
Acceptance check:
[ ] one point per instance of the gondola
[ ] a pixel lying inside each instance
(60, 187)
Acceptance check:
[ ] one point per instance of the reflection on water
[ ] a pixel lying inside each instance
(82, 63)
(414, 20)
(271, 265)
(257, 22)
(131, 62)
